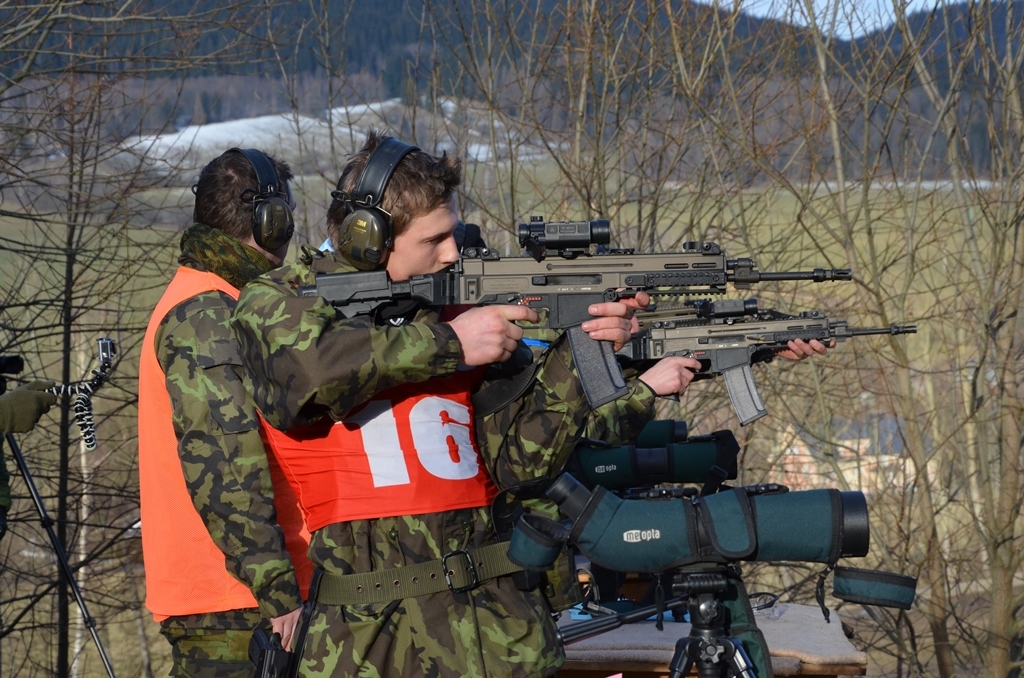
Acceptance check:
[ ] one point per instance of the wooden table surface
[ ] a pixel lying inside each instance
(799, 641)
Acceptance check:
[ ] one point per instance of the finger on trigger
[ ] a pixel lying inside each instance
(610, 309)
(518, 312)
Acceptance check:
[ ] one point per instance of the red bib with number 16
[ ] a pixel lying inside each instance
(412, 450)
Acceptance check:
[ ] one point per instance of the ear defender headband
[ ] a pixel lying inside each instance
(272, 220)
(366, 234)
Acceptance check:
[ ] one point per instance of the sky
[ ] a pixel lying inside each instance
(854, 17)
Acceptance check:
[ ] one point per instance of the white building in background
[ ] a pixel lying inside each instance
(869, 456)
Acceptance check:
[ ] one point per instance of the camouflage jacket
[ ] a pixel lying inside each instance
(222, 453)
(304, 360)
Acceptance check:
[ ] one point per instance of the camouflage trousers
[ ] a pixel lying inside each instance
(493, 631)
(211, 645)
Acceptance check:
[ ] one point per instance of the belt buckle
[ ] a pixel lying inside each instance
(448, 572)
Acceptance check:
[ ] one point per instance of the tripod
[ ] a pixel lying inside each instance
(714, 654)
(708, 648)
(58, 549)
(83, 416)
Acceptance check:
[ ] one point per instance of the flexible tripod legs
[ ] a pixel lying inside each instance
(708, 648)
(58, 549)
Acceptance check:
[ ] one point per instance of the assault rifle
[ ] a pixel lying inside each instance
(728, 336)
(562, 276)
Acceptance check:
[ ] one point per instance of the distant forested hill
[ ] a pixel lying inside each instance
(377, 37)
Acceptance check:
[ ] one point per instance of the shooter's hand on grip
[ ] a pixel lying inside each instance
(671, 375)
(285, 626)
(614, 321)
(21, 408)
(488, 334)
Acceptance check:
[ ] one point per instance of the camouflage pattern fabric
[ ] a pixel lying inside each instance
(620, 421)
(299, 350)
(493, 630)
(211, 645)
(212, 250)
(559, 392)
(222, 455)
(304, 360)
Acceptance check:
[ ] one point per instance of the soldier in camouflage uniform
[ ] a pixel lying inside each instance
(221, 451)
(306, 362)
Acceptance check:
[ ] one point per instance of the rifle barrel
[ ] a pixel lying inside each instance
(894, 329)
(817, 275)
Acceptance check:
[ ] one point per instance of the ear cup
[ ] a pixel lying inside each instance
(366, 235)
(366, 238)
(272, 223)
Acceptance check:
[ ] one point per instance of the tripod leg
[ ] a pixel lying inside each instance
(58, 549)
(736, 657)
(682, 662)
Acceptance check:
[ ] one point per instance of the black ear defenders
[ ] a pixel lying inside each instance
(366, 235)
(272, 220)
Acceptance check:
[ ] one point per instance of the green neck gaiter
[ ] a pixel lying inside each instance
(222, 255)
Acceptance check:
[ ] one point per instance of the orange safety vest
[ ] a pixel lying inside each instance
(409, 451)
(185, 571)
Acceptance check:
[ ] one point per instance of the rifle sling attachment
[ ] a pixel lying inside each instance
(497, 395)
(458, 570)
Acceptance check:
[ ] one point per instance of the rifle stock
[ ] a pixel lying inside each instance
(730, 336)
(564, 285)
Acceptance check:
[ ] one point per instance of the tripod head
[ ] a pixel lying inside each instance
(708, 647)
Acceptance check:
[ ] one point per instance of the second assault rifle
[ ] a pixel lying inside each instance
(564, 285)
(728, 336)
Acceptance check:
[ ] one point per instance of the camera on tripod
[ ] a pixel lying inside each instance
(106, 350)
(83, 392)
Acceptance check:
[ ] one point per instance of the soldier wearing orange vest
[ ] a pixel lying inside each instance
(223, 540)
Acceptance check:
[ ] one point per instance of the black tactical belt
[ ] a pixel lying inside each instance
(456, 571)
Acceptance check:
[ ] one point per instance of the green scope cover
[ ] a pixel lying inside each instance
(628, 466)
(874, 587)
(661, 433)
(654, 535)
